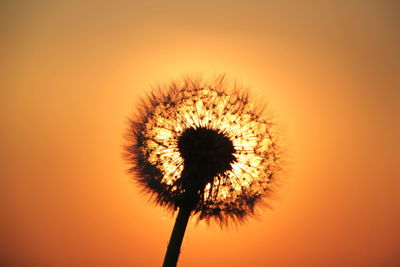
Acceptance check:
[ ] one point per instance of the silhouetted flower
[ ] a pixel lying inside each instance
(206, 137)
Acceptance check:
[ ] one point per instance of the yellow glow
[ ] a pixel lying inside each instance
(225, 112)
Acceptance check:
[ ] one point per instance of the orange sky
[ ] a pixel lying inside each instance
(72, 72)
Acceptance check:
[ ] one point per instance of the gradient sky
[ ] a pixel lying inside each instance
(72, 71)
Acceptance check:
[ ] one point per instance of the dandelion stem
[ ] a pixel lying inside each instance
(175, 242)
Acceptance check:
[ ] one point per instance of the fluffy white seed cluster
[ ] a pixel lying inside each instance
(198, 104)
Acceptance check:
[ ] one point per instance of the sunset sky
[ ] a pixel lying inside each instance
(73, 71)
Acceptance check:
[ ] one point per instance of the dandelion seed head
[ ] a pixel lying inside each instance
(202, 132)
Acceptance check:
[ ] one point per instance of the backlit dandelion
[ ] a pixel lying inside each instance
(201, 148)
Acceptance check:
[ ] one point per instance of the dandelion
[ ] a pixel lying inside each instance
(201, 148)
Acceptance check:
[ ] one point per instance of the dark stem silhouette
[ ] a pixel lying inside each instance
(206, 154)
(178, 232)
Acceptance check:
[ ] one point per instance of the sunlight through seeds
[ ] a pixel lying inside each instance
(196, 104)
